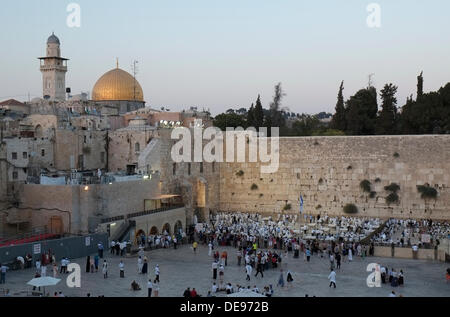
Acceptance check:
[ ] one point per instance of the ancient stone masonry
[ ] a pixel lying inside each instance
(327, 172)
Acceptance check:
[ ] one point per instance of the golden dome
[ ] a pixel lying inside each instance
(117, 85)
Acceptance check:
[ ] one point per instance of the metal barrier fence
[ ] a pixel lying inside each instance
(71, 247)
(142, 213)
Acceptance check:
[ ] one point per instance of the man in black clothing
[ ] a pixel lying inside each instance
(259, 269)
(187, 293)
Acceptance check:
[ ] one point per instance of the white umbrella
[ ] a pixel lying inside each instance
(245, 293)
(44, 281)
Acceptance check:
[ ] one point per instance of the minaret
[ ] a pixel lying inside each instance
(54, 69)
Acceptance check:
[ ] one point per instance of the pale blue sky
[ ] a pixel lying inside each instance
(223, 53)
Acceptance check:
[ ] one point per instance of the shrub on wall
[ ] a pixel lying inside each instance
(240, 173)
(254, 187)
(393, 188)
(373, 194)
(287, 207)
(392, 198)
(427, 192)
(365, 185)
(377, 180)
(396, 155)
(350, 209)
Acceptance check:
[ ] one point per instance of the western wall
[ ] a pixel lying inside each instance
(327, 172)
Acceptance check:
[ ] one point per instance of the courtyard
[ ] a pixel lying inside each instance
(182, 268)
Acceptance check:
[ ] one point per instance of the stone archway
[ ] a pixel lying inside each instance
(38, 131)
(178, 227)
(138, 236)
(154, 230)
(166, 227)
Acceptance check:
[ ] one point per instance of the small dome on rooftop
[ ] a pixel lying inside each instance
(53, 39)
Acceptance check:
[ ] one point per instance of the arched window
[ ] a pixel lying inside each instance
(137, 147)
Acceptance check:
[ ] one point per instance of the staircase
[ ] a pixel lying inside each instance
(123, 230)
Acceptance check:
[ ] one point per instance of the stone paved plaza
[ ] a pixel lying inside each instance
(182, 268)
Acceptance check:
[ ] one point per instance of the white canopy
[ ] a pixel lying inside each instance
(44, 281)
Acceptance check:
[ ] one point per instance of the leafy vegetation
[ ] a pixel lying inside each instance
(392, 198)
(393, 187)
(254, 187)
(287, 207)
(427, 192)
(365, 185)
(350, 209)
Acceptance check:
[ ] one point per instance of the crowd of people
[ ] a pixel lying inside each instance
(409, 232)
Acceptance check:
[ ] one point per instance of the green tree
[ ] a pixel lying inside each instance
(361, 112)
(258, 114)
(275, 117)
(420, 86)
(387, 119)
(232, 120)
(251, 117)
(339, 121)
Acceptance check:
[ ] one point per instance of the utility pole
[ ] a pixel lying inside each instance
(370, 80)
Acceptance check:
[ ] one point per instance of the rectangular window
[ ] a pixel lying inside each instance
(189, 168)
(213, 167)
(25, 155)
(201, 168)
(102, 157)
(174, 171)
(14, 155)
(15, 175)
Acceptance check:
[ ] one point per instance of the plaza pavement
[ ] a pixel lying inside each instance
(182, 268)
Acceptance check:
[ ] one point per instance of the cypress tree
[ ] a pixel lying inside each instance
(258, 114)
(338, 121)
(387, 120)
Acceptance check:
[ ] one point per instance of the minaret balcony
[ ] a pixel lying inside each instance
(54, 67)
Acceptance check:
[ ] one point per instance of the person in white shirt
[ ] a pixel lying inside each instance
(150, 287)
(105, 269)
(140, 265)
(113, 244)
(3, 269)
(122, 269)
(214, 288)
(157, 273)
(332, 278)
(43, 270)
(248, 270)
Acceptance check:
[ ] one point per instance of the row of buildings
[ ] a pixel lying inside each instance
(69, 164)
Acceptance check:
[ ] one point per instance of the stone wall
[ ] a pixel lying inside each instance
(78, 205)
(327, 172)
(70, 145)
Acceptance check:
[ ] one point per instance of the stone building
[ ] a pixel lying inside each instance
(53, 69)
(120, 90)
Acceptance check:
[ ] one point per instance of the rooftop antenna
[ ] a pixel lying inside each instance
(135, 72)
(370, 79)
(117, 62)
